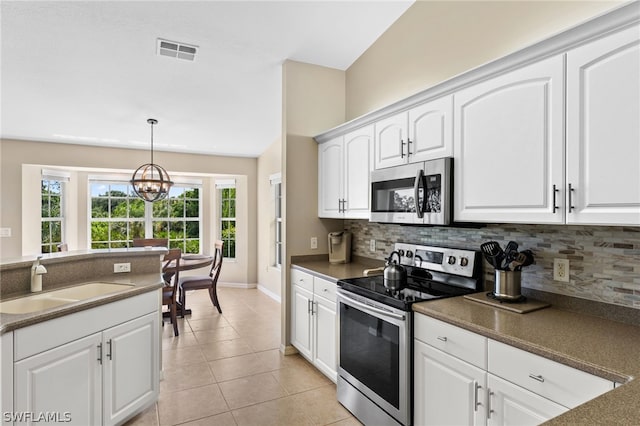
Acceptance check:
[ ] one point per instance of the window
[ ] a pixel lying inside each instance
(117, 215)
(228, 218)
(178, 218)
(52, 214)
(276, 185)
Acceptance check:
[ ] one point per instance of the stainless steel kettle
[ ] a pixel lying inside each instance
(395, 276)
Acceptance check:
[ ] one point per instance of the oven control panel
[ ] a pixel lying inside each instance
(442, 259)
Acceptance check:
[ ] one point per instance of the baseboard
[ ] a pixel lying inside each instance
(288, 350)
(237, 285)
(269, 293)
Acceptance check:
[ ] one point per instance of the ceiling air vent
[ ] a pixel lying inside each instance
(176, 50)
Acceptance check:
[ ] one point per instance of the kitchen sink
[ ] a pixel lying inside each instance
(52, 299)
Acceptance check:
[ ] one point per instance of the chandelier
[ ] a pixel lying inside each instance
(151, 182)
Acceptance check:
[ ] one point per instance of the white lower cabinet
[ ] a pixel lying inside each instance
(509, 404)
(447, 390)
(461, 378)
(102, 378)
(313, 321)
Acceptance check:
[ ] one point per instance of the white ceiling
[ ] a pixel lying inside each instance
(87, 72)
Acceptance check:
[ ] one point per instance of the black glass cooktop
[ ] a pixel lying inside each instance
(418, 289)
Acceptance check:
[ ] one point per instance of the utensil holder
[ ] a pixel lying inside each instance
(507, 285)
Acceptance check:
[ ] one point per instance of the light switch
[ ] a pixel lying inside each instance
(5, 232)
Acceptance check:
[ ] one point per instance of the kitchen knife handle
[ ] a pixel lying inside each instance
(555, 192)
(571, 207)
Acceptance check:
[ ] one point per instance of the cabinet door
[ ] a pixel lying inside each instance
(301, 325)
(325, 337)
(131, 367)
(391, 141)
(330, 179)
(431, 130)
(447, 390)
(66, 380)
(508, 146)
(358, 147)
(512, 405)
(603, 130)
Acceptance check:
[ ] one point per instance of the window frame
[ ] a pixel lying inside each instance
(53, 245)
(276, 236)
(176, 219)
(227, 247)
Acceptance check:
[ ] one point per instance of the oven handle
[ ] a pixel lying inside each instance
(366, 307)
(420, 207)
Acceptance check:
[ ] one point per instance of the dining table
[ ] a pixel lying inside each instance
(187, 262)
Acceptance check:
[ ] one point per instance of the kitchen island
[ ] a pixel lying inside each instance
(91, 355)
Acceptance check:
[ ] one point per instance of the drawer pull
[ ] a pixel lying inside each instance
(538, 378)
(476, 402)
(489, 409)
(442, 339)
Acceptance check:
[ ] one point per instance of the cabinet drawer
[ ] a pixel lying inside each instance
(302, 279)
(324, 288)
(557, 382)
(466, 345)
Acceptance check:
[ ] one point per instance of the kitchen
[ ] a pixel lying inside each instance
(314, 83)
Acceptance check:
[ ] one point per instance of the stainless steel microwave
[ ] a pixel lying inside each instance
(417, 193)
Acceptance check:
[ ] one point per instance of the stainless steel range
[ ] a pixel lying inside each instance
(376, 333)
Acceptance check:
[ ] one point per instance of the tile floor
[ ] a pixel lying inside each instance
(226, 369)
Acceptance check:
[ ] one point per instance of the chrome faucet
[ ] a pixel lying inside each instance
(37, 270)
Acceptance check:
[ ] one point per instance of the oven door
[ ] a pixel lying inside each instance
(375, 351)
(394, 192)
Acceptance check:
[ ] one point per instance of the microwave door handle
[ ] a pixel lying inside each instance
(420, 207)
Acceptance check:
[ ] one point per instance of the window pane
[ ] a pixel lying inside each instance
(136, 230)
(192, 208)
(176, 230)
(225, 208)
(99, 232)
(118, 244)
(232, 208)
(160, 208)
(99, 207)
(45, 233)
(45, 249)
(193, 193)
(54, 205)
(119, 190)
(119, 207)
(118, 231)
(192, 246)
(136, 208)
(56, 232)
(99, 245)
(55, 187)
(179, 244)
(192, 229)
(177, 208)
(45, 206)
(160, 229)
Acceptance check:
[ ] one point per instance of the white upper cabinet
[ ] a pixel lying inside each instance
(508, 146)
(344, 164)
(603, 130)
(419, 134)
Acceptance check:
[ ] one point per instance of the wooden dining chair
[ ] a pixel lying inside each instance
(151, 242)
(170, 289)
(209, 282)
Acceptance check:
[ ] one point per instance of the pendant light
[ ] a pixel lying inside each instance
(151, 182)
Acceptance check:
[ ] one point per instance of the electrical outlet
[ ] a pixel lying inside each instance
(121, 267)
(561, 270)
(372, 245)
(314, 243)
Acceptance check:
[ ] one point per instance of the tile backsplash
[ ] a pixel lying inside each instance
(604, 261)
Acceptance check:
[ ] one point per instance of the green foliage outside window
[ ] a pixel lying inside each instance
(228, 221)
(51, 213)
(123, 214)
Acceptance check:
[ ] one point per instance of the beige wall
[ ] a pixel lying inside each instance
(16, 155)
(269, 277)
(313, 101)
(436, 40)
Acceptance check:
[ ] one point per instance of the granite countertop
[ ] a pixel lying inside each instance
(598, 346)
(337, 271)
(140, 283)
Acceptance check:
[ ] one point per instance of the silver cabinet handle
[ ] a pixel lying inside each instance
(402, 148)
(442, 339)
(109, 353)
(489, 409)
(555, 192)
(571, 207)
(308, 306)
(409, 142)
(476, 402)
(100, 353)
(537, 377)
